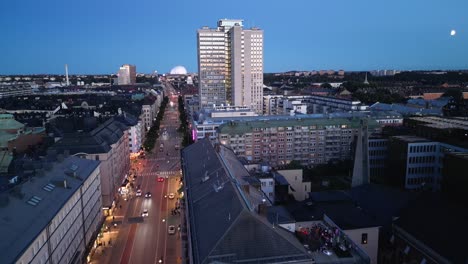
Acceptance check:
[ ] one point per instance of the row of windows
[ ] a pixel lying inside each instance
(420, 170)
(422, 159)
(423, 148)
(382, 143)
(420, 180)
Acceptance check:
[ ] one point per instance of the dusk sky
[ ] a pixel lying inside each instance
(97, 36)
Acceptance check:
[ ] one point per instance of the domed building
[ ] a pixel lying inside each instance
(179, 70)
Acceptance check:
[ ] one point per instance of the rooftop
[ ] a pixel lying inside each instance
(438, 224)
(7, 122)
(412, 139)
(223, 227)
(27, 209)
(444, 122)
(240, 127)
(94, 142)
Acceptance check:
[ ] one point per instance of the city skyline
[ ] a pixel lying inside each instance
(42, 37)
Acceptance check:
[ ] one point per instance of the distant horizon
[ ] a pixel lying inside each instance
(188, 73)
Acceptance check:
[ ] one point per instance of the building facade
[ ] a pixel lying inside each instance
(9, 90)
(310, 141)
(108, 143)
(127, 74)
(417, 162)
(58, 216)
(230, 65)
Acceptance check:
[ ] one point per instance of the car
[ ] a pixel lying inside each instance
(148, 195)
(171, 196)
(171, 230)
(160, 179)
(138, 193)
(145, 213)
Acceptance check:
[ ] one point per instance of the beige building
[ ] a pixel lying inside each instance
(297, 186)
(230, 65)
(54, 217)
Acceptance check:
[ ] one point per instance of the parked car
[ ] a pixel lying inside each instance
(171, 196)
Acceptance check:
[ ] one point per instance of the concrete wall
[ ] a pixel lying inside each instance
(372, 246)
(294, 178)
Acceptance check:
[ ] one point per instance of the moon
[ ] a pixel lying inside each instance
(453, 32)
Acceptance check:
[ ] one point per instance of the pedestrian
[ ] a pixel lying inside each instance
(120, 206)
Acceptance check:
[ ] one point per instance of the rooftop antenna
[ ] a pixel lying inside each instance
(66, 74)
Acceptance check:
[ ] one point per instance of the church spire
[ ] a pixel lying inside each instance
(365, 80)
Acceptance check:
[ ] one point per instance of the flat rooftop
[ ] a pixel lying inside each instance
(444, 122)
(412, 139)
(25, 214)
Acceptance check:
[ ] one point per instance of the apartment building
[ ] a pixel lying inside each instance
(8, 90)
(312, 104)
(149, 111)
(54, 216)
(209, 119)
(230, 65)
(127, 75)
(416, 162)
(108, 143)
(378, 156)
(310, 141)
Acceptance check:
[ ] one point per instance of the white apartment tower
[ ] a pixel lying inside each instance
(127, 74)
(230, 65)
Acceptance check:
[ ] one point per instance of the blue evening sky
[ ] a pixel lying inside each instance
(97, 36)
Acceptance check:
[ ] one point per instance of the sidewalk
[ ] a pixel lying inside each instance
(107, 238)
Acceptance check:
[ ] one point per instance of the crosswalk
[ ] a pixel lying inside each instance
(164, 158)
(160, 173)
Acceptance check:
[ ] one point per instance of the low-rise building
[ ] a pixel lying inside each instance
(15, 136)
(298, 187)
(54, 216)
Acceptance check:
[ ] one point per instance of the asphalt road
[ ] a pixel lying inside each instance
(146, 239)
